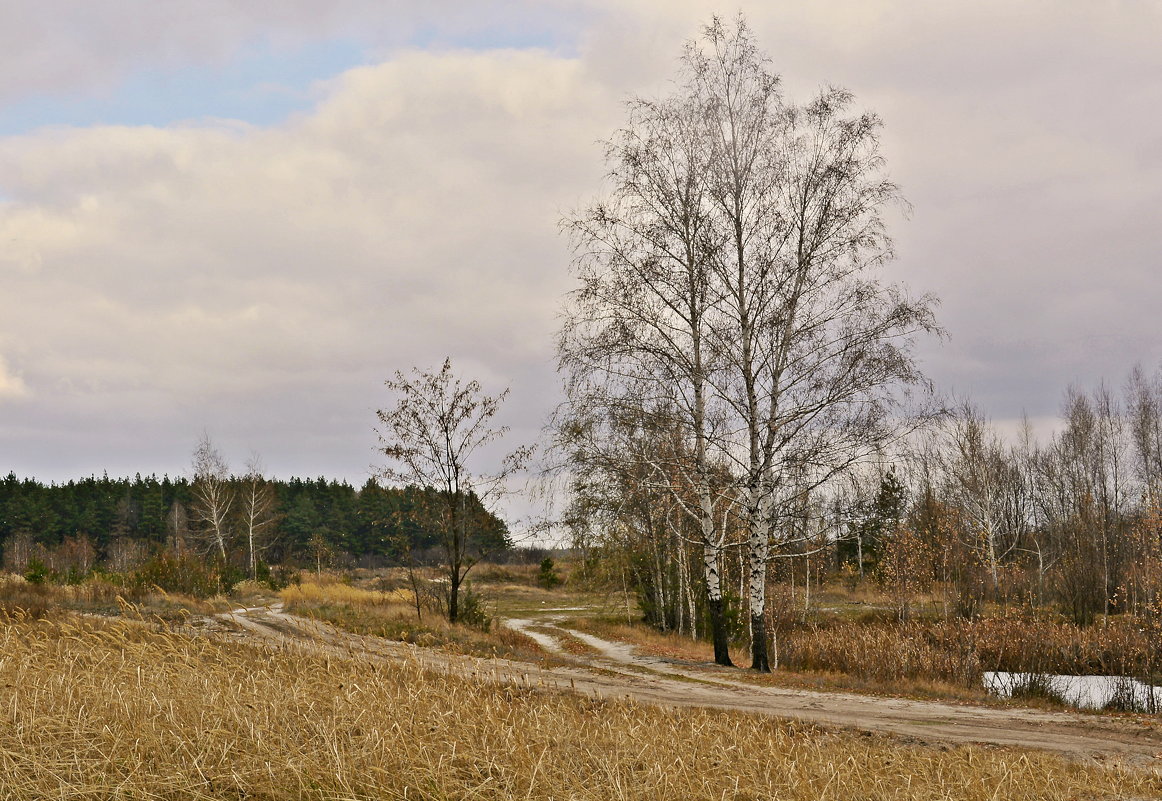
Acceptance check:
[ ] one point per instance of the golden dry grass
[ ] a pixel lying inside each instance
(102, 596)
(943, 659)
(392, 616)
(669, 645)
(337, 592)
(91, 709)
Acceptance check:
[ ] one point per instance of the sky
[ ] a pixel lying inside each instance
(241, 218)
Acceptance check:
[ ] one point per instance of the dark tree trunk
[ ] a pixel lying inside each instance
(454, 599)
(718, 632)
(758, 644)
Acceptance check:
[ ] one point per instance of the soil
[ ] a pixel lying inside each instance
(616, 670)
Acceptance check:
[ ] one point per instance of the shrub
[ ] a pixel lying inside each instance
(37, 573)
(1038, 686)
(184, 575)
(548, 577)
(471, 611)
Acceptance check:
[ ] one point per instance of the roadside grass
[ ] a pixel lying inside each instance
(507, 590)
(391, 616)
(513, 600)
(101, 596)
(101, 709)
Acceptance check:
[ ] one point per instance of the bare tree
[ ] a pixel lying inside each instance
(434, 435)
(213, 496)
(258, 511)
(1144, 407)
(816, 347)
(1087, 500)
(732, 274)
(983, 479)
(635, 333)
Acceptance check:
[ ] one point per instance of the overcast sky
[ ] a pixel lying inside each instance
(242, 217)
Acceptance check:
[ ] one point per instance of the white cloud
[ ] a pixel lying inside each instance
(224, 273)
(80, 48)
(11, 385)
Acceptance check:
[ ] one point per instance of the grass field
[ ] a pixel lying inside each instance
(94, 709)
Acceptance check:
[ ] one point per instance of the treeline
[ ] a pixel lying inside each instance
(961, 517)
(120, 523)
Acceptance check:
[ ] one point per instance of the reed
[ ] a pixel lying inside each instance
(958, 651)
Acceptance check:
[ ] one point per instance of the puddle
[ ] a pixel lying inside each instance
(1083, 692)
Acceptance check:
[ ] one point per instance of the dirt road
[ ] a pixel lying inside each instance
(617, 670)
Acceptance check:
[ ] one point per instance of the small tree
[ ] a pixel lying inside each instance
(320, 550)
(258, 512)
(548, 578)
(434, 435)
(905, 566)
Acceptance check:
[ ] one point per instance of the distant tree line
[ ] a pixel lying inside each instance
(120, 523)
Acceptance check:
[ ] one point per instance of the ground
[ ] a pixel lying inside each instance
(582, 662)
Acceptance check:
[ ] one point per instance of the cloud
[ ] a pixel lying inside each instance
(79, 48)
(265, 281)
(11, 385)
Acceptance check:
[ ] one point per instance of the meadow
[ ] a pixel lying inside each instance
(120, 709)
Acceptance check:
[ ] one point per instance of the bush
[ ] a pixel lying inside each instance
(1039, 687)
(279, 577)
(471, 611)
(548, 578)
(37, 573)
(185, 575)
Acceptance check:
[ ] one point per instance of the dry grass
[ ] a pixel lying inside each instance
(390, 615)
(112, 710)
(943, 659)
(674, 646)
(337, 592)
(957, 652)
(101, 596)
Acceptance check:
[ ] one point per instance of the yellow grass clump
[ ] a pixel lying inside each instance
(338, 593)
(93, 709)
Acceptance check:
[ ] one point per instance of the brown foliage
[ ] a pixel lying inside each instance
(959, 651)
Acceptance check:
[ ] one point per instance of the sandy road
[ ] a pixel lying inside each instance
(617, 670)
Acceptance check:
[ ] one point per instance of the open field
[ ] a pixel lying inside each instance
(563, 658)
(113, 709)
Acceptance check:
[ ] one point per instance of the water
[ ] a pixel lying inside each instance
(1083, 692)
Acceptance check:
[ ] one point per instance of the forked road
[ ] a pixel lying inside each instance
(618, 671)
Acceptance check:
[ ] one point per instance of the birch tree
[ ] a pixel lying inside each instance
(258, 512)
(213, 496)
(735, 268)
(816, 347)
(635, 332)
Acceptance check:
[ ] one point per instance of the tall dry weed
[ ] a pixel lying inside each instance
(338, 593)
(959, 651)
